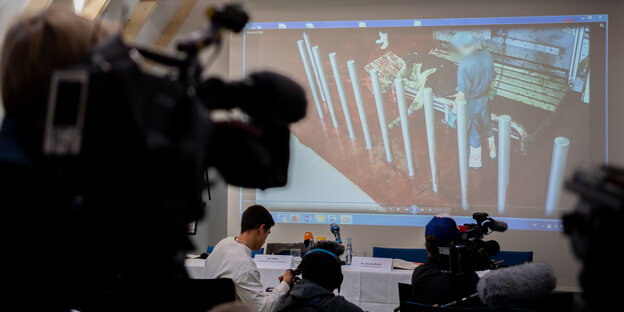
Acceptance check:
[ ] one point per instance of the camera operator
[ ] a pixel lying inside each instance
(322, 274)
(430, 285)
(37, 215)
(231, 258)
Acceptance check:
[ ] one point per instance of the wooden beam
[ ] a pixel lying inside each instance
(175, 23)
(36, 5)
(138, 18)
(94, 8)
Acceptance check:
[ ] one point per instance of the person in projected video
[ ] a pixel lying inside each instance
(475, 79)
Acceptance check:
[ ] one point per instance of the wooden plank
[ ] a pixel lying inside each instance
(533, 80)
(529, 93)
(532, 88)
(94, 8)
(530, 73)
(526, 100)
(138, 18)
(541, 88)
(36, 5)
(175, 23)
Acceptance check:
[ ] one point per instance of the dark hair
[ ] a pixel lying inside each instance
(35, 45)
(431, 246)
(321, 267)
(254, 217)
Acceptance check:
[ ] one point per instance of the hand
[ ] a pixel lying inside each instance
(287, 277)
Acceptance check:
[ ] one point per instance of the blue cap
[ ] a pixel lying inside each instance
(462, 39)
(444, 230)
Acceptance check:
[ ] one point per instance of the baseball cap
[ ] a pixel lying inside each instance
(443, 228)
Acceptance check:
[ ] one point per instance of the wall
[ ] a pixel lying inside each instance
(8, 9)
(552, 248)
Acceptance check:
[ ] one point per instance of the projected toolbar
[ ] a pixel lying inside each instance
(602, 18)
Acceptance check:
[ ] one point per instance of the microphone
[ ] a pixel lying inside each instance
(513, 286)
(496, 226)
(335, 229)
(516, 285)
(308, 240)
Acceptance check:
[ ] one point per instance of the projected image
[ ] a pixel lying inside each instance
(426, 120)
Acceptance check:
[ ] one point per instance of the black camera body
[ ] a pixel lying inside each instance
(129, 149)
(471, 253)
(593, 227)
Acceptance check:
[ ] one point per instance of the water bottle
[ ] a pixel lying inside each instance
(349, 252)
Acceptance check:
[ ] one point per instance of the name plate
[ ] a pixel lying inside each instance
(371, 264)
(273, 262)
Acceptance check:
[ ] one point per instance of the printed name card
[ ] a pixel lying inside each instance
(371, 264)
(273, 262)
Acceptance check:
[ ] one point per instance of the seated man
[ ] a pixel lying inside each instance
(429, 284)
(231, 258)
(321, 274)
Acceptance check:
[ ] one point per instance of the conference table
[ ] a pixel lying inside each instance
(372, 291)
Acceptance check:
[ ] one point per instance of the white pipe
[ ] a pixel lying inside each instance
(504, 147)
(400, 95)
(431, 138)
(557, 173)
(341, 94)
(306, 39)
(359, 103)
(462, 147)
(304, 59)
(381, 113)
(330, 105)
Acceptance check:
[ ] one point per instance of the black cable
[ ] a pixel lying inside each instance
(207, 183)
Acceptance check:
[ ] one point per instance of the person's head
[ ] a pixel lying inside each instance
(464, 42)
(441, 231)
(256, 224)
(34, 46)
(322, 264)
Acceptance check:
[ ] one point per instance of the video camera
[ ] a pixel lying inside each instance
(471, 253)
(593, 227)
(130, 149)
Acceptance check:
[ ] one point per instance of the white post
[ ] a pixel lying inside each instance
(306, 39)
(504, 147)
(462, 147)
(341, 94)
(431, 138)
(381, 113)
(304, 59)
(358, 102)
(325, 88)
(400, 95)
(557, 173)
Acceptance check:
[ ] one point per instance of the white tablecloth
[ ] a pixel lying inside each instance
(372, 291)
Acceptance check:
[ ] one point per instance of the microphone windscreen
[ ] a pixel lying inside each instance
(516, 285)
(500, 226)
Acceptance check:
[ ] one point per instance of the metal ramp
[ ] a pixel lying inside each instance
(530, 87)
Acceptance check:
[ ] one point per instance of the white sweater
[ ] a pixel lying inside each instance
(231, 259)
